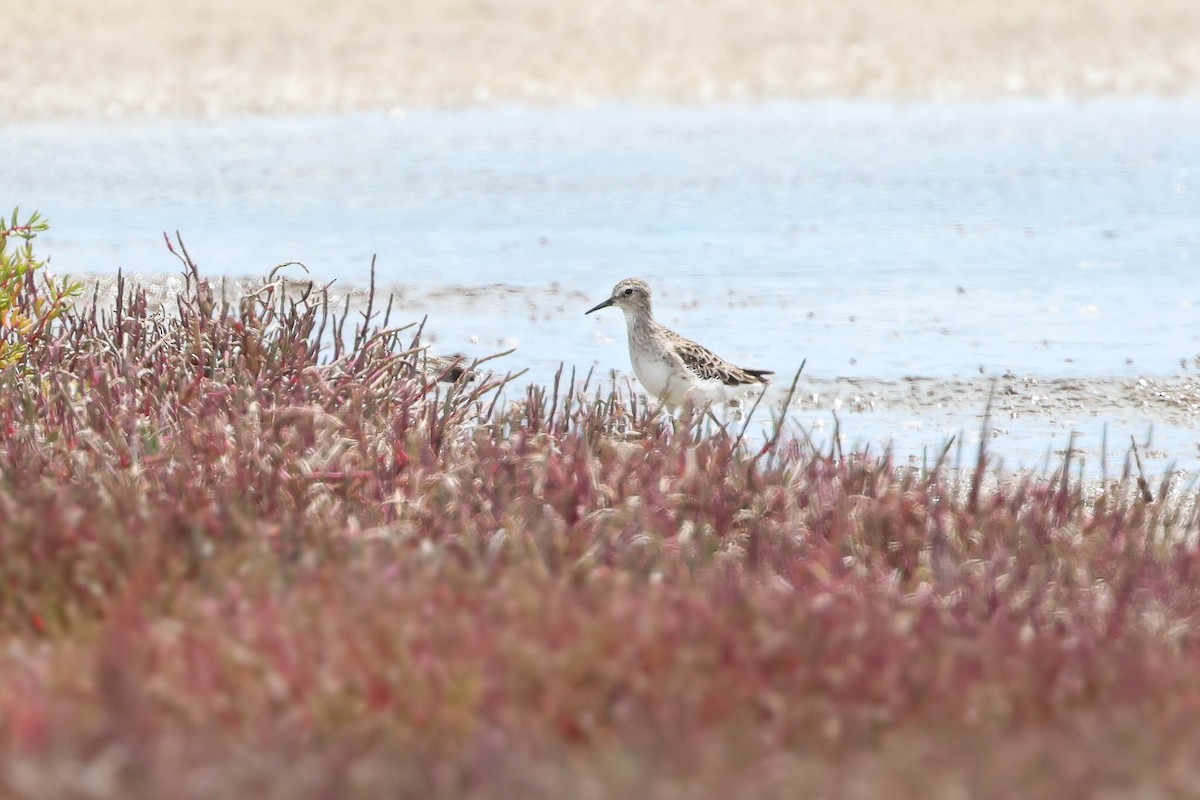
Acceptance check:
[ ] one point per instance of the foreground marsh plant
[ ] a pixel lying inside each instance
(675, 369)
(240, 548)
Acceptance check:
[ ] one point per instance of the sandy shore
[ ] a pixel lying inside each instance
(139, 57)
(1173, 400)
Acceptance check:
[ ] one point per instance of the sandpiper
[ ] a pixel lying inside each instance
(675, 370)
(447, 369)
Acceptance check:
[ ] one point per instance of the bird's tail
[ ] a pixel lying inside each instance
(759, 374)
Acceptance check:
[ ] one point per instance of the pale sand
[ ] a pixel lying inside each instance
(70, 58)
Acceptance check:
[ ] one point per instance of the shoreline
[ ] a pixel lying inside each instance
(616, 104)
(134, 58)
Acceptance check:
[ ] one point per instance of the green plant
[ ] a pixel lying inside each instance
(27, 310)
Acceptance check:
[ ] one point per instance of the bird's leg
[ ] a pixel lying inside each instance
(661, 410)
(668, 411)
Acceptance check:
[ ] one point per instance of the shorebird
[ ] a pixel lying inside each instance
(447, 369)
(675, 370)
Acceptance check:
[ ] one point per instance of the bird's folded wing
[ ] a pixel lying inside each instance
(708, 366)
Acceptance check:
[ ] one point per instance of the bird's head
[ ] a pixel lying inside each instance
(631, 295)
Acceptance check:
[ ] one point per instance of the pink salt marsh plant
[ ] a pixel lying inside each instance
(248, 553)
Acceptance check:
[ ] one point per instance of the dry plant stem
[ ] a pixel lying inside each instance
(779, 420)
(1142, 484)
(981, 460)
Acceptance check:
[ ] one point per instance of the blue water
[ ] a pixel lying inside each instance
(1041, 237)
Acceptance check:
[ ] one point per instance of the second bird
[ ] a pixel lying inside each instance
(675, 370)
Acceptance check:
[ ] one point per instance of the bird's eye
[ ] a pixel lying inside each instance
(628, 292)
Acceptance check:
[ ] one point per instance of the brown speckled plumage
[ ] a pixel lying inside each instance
(671, 367)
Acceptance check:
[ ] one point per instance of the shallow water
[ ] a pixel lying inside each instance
(1035, 237)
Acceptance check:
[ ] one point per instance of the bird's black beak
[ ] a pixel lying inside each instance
(599, 306)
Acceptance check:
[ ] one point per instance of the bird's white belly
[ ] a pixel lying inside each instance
(654, 373)
(670, 383)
